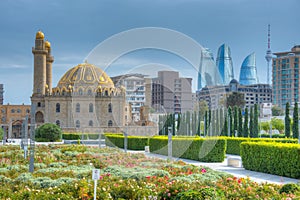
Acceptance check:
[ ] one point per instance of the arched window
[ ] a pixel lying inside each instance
(106, 93)
(77, 124)
(39, 117)
(91, 108)
(39, 104)
(13, 110)
(91, 123)
(58, 108)
(78, 108)
(80, 91)
(27, 111)
(18, 110)
(109, 108)
(110, 123)
(57, 123)
(89, 92)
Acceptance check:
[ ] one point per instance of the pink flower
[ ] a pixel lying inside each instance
(169, 194)
(203, 170)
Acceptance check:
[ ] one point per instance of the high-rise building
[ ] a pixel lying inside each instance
(248, 74)
(253, 94)
(285, 74)
(138, 91)
(224, 64)
(171, 93)
(206, 59)
(1, 94)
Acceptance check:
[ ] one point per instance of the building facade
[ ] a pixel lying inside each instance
(224, 64)
(253, 94)
(138, 92)
(12, 117)
(85, 98)
(248, 74)
(171, 93)
(1, 94)
(285, 77)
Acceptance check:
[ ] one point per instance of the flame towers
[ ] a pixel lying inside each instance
(248, 75)
(224, 64)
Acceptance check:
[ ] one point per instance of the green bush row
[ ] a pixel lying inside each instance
(133, 142)
(273, 158)
(233, 143)
(194, 148)
(84, 136)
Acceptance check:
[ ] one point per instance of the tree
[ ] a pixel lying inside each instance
(230, 121)
(225, 127)
(277, 111)
(287, 120)
(235, 117)
(235, 99)
(277, 124)
(295, 121)
(240, 126)
(202, 107)
(251, 124)
(245, 129)
(48, 133)
(255, 121)
(205, 123)
(1, 133)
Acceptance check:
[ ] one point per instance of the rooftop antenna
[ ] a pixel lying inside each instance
(268, 55)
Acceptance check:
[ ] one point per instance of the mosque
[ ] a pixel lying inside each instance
(85, 98)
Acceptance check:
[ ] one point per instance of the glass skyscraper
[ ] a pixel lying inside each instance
(205, 70)
(248, 74)
(224, 64)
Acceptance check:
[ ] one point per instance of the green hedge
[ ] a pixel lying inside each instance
(85, 136)
(273, 158)
(194, 148)
(233, 143)
(133, 142)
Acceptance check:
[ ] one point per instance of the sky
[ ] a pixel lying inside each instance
(75, 28)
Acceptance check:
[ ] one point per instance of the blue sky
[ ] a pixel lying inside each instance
(75, 28)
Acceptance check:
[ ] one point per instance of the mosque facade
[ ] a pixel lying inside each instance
(85, 98)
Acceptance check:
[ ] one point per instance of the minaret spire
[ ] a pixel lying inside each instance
(268, 55)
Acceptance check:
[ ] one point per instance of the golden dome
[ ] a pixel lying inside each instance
(85, 76)
(47, 44)
(39, 35)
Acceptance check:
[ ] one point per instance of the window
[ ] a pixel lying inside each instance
(77, 124)
(109, 108)
(91, 123)
(89, 92)
(57, 123)
(91, 108)
(78, 108)
(80, 91)
(58, 108)
(27, 111)
(13, 111)
(18, 110)
(110, 123)
(39, 104)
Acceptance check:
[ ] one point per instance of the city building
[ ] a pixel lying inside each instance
(215, 96)
(224, 64)
(207, 59)
(285, 77)
(171, 93)
(1, 94)
(248, 74)
(85, 98)
(138, 92)
(12, 117)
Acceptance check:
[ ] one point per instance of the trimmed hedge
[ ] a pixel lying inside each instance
(273, 158)
(193, 148)
(233, 143)
(85, 136)
(133, 142)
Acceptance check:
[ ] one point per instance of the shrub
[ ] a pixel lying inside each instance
(133, 142)
(273, 158)
(289, 188)
(48, 133)
(194, 148)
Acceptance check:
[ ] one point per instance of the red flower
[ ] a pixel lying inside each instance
(203, 170)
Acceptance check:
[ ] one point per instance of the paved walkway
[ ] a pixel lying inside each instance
(236, 171)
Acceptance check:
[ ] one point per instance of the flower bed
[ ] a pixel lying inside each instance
(64, 172)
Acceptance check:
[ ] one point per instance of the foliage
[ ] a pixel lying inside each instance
(133, 142)
(235, 99)
(240, 126)
(287, 120)
(255, 121)
(289, 188)
(202, 107)
(48, 133)
(251, 123)
(60, 176)
(295, 127)
(235, 119)
(277, 111)
(1, 133)
(245, 129)
(194, 148)
(274, 158)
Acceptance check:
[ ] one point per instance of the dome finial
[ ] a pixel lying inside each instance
(47, 44)
(85, 61)
(39, 35)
